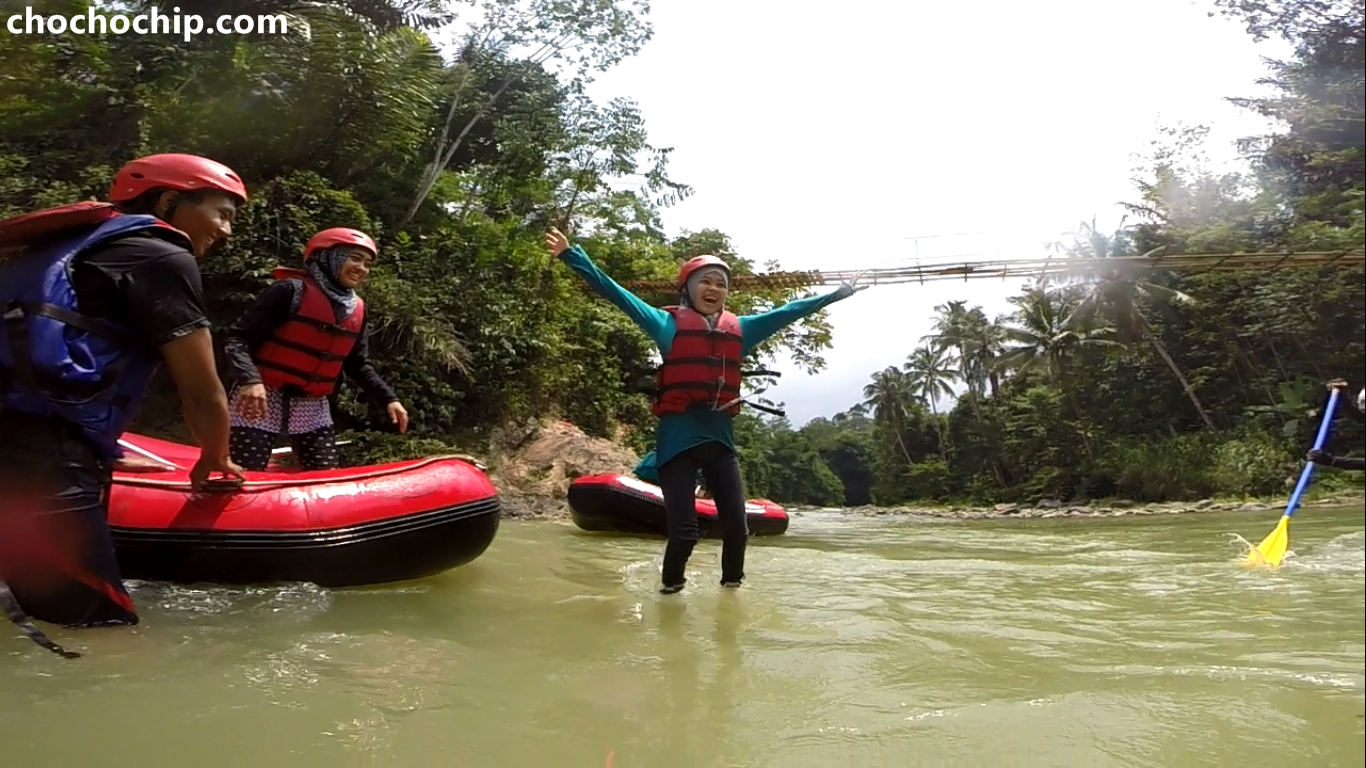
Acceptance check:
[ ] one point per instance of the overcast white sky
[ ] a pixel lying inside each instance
(859, 133)
(831, 138)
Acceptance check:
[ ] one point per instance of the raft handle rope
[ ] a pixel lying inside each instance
(172, 465)
(259, 484)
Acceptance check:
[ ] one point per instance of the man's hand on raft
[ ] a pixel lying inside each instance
(199, 475)
(399, 415)
(557, 241)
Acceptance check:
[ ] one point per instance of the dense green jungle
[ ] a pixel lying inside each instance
(1145, 385)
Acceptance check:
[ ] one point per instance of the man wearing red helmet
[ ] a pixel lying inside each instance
(699, 395)
(288, 350)
(95, 296)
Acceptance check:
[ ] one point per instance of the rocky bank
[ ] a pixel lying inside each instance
(1052, 508)
(532, 465)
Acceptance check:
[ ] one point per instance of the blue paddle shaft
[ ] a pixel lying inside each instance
(1324, 427)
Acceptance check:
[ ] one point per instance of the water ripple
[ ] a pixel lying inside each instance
(855, 641)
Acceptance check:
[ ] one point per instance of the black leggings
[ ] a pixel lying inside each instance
(677, 479)
(251, 448)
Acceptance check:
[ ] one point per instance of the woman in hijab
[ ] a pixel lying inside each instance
(699, 383)
(288, 350)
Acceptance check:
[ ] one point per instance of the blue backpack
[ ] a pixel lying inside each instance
(54, 361)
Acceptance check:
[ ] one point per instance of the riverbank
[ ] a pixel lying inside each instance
(533, 464)
(518, 505)
(1112, 508)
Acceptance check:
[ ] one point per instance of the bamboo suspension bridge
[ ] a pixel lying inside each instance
(1048, 266)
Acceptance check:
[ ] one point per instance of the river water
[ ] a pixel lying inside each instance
(857, 642)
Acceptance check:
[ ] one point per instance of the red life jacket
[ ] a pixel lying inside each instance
(304, 355)
(703, 365)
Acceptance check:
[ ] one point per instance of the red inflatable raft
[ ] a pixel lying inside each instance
(335, 528)
(623, 504)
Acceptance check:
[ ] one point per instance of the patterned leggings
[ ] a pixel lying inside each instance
(251, 448)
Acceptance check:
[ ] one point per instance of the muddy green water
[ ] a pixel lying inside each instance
(857, 642)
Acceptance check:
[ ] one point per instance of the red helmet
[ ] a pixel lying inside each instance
(340, 236)
(185, 173)
(696, 263)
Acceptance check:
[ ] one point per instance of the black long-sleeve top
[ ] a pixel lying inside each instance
(271, 310)
(1348, 462)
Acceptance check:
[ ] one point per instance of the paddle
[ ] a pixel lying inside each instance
(1272, 549)
(147, 454)
(212, 485)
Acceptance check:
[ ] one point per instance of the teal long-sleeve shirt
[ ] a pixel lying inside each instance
(679, 432)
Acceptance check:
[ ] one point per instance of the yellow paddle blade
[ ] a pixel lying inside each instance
(1272, 549)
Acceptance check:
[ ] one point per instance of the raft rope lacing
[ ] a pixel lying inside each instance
(294, 482)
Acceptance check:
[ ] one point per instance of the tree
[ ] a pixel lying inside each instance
(1119, 295)
(584, 37)
(886, 396)
(929, 373)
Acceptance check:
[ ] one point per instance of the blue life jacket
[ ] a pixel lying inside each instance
(54, 361)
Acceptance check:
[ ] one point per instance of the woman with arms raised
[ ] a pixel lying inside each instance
(702, 345)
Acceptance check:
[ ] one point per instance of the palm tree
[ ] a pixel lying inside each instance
(985, 339)
(929, 373)
(951, 327)
(1117, 296)
(853, 413)
(976, 340)
(887, 395)
(1046, 332)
